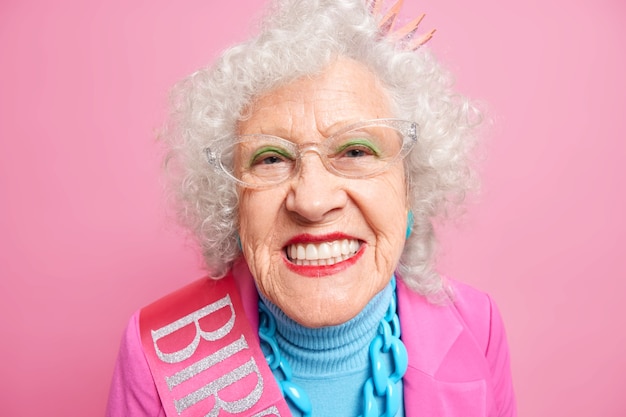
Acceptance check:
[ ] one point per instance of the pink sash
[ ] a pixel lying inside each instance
(204, 356)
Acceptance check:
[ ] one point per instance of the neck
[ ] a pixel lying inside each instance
(332, 349)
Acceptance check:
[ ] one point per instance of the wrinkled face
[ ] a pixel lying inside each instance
(355, 227)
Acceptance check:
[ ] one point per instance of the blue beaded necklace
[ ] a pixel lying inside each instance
(379, 384)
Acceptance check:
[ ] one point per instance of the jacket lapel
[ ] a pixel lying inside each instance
(422, 330)
(445, 376)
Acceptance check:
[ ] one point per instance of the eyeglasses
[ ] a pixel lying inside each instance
(361, 150)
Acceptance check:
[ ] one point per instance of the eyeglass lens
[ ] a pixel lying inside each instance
(263, 159)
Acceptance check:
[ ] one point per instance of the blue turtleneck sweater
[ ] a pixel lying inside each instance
(331, 364)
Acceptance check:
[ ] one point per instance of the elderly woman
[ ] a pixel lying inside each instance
(311, 162)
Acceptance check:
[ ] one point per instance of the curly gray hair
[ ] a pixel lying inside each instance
(299, 38)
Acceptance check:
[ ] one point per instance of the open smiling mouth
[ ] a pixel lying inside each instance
(322, 254)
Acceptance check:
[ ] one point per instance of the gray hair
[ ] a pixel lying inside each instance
(299, 38)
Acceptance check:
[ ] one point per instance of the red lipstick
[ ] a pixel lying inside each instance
(317, 271)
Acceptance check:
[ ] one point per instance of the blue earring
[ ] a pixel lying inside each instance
(239, 242)
(409, 223)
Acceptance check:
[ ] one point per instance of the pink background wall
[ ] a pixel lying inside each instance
(85, 238)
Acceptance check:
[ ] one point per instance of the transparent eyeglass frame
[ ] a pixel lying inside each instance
(218, 157)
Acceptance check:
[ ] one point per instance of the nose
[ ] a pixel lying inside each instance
(315, 194)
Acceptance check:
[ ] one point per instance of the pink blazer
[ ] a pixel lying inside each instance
(458, 358)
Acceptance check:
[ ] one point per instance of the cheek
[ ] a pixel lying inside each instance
(255, 208)
(386, 212)
(386, 201)
(259, 224)
(251, 215)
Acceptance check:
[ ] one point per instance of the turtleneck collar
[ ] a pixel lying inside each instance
(334, 349)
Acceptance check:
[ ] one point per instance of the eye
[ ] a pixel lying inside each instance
(357, 148)
(357, 152)
(270, 155)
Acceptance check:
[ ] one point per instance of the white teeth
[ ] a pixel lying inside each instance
(311, 252)
(345, 247)
(325, 253)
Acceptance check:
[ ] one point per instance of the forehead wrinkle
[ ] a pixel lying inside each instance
(263, 115)
(344, 93)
